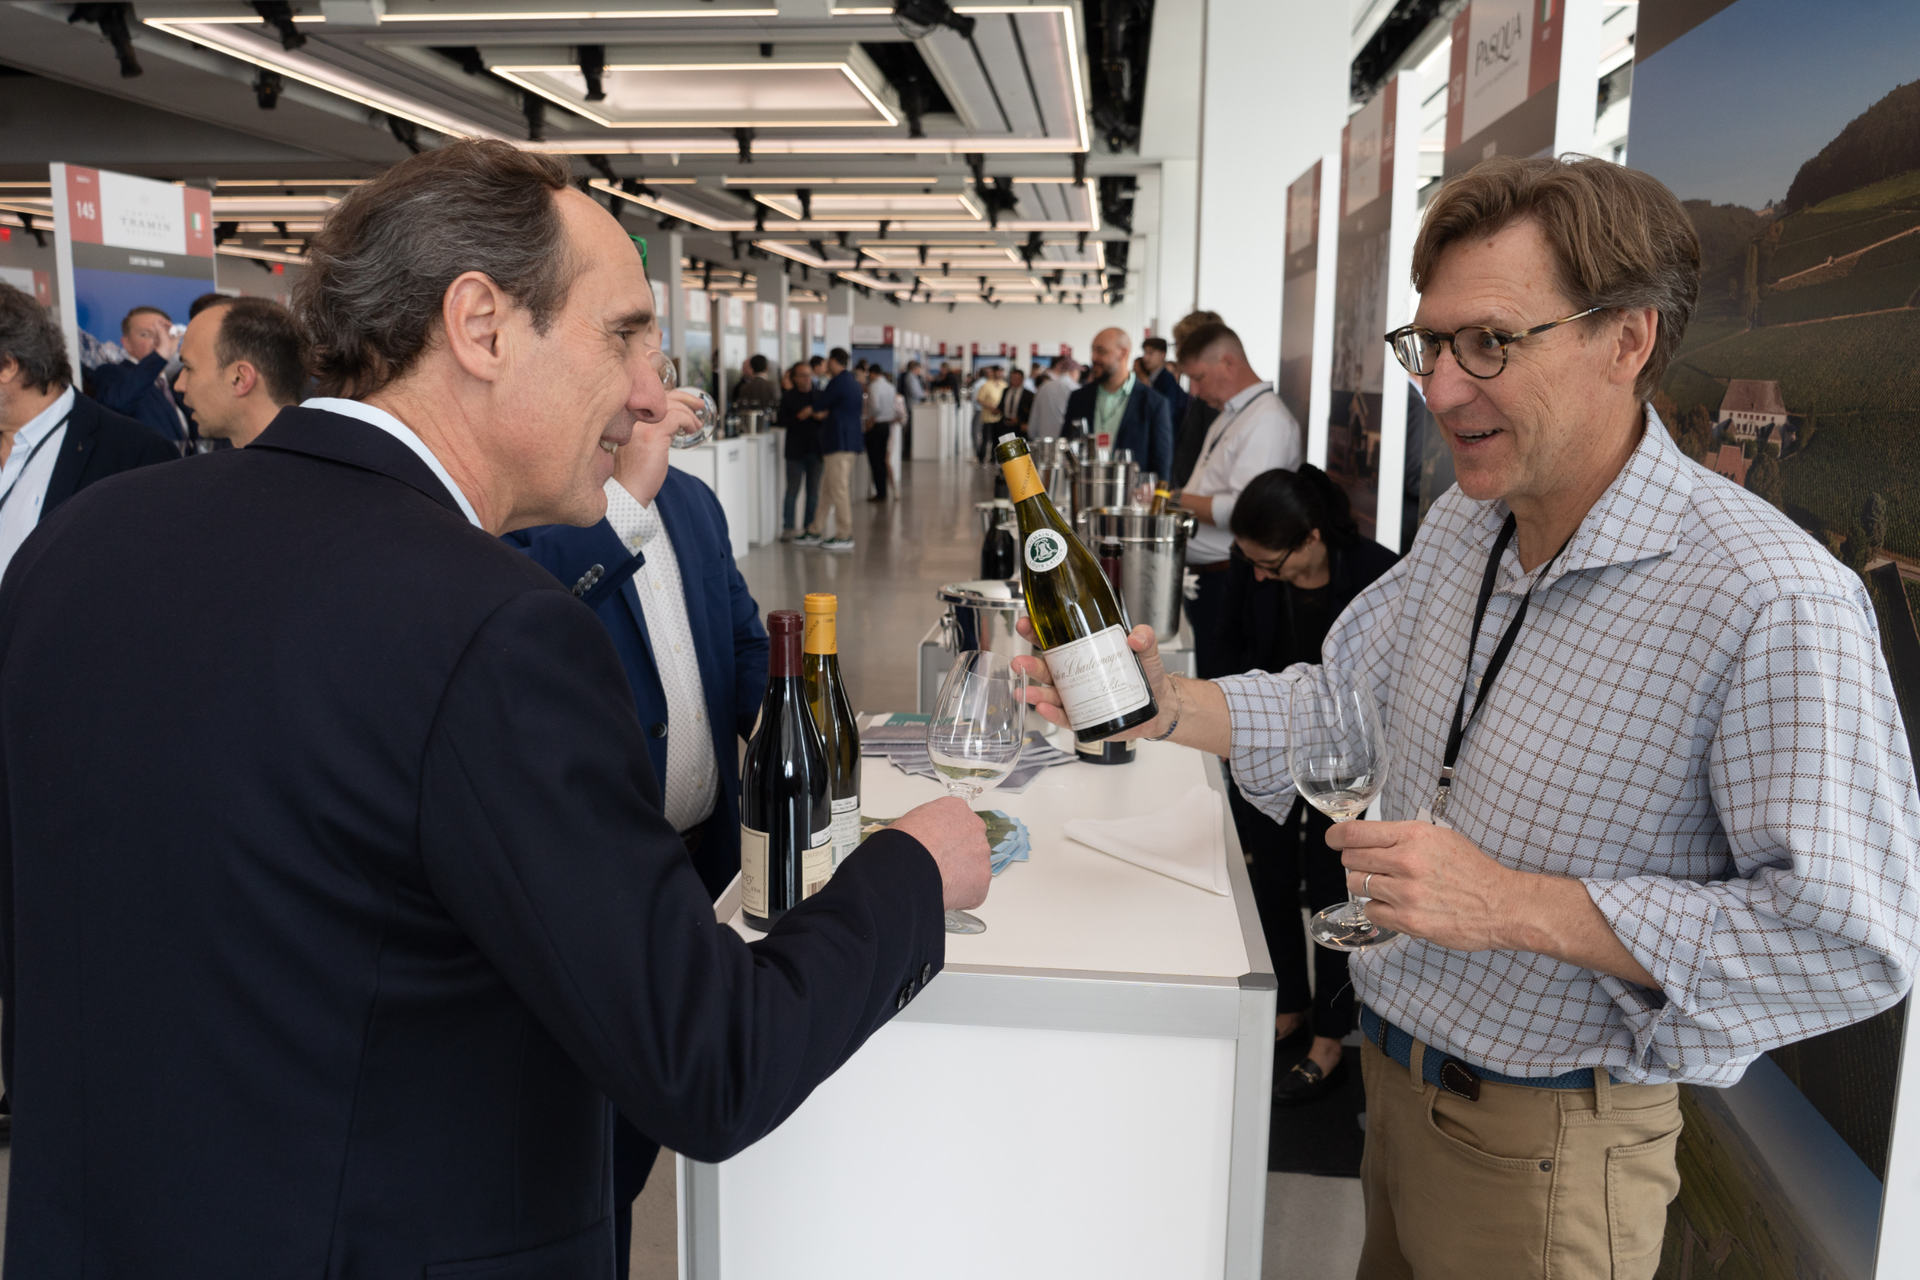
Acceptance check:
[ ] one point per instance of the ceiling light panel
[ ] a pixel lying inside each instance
(899, 207)
(710, 87)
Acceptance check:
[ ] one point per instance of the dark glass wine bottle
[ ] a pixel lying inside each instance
(833, 714)
(1075, 614)
(786, 813)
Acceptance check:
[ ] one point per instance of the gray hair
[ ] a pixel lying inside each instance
(378, 272)
(30, 338)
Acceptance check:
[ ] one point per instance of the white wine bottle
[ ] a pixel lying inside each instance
(839, 734)
(786, 816)
(1075, 615)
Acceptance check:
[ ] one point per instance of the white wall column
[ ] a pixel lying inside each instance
(663, 263)
(1273, 98)
(1179, 242)
(840, 317)
(770, 286)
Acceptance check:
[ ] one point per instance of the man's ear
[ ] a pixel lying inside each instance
(1639, 329)
(473, 319)
(244, 377)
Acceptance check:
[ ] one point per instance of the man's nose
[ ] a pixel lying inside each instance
(1449, 386)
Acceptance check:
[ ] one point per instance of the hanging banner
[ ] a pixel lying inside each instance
(1366, 411)
(1306, 302)
(122, 242)
(1511, 60)
(1795, 379)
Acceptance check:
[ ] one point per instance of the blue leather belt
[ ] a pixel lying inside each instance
(1449, 1072)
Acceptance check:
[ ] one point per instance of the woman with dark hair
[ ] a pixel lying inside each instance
(1297, 562)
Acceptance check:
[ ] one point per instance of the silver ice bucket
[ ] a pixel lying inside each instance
(980, 615)
(1152, 562)
(1101, 484)
(1054, 460)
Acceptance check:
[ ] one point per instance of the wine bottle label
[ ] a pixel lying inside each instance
(753, 871)
(1098, 677)
(1023, 478)
(1045, 549)
(846, 828)
(816, 864)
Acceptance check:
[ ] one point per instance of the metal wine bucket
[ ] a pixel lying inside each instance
(1053, 458)
(1152, 564)
(980, 615)
(1101, 484)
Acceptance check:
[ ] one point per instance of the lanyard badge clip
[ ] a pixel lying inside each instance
(1439, 806)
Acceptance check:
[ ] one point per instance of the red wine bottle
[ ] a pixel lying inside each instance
(786, 810)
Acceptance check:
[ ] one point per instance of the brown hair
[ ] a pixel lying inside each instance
(1620, 239)
(1198, 341)
(263, 333)
(1193, 320)
(379, 270)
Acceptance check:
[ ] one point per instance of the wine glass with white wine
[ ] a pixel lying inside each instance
(1337, 752)
(705, 412)
(974, 739)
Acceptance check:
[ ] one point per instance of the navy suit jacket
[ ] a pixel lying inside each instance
(842, 400)
(134, 390)
(728, 640)
(100, 443)
(1146, 424)
(347, 992)
(1176, 396)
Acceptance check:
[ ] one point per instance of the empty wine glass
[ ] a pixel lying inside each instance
(974, 739)
(1337, 753)
(704, 409)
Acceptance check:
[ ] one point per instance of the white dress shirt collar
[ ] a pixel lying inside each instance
(404, 434)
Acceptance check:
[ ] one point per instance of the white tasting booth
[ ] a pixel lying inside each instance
(723, 466)
(1083, 1091)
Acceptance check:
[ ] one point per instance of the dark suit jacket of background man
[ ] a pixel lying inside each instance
(1146, 424)
(728, 641)
(1016, 407)
(100, 443)
(347, 992)
(133, 389)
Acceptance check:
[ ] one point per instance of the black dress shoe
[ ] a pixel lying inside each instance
(1305, 1082)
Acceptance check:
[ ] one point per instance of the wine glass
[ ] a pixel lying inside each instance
(704, 409)
(1337, 753)
(979, 725)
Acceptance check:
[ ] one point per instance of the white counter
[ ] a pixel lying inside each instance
(722, 465)
(1084, 1091)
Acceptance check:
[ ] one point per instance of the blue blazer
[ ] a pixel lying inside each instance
(1146, 424)
(134, 390)
(728, 640)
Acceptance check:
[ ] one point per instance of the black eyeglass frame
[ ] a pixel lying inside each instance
(1506, 341)
(1234, 552)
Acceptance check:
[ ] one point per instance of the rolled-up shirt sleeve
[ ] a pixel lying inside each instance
(1363, 638)
(1812, 779)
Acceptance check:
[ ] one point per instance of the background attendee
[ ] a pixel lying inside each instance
(1048, 416)
(987, 395)
(799, 415)
(413, 876)
(913, 386)
(138, 388)
(1153, 363)
(1298, 561)
(1016, 406)
(1118, 405)
(54, 441)
(688, 633)
(756, 390)
(838, 409)
(1252, 434)
(1190, 428)
(881, 413)
(240, 364)
(818, 366)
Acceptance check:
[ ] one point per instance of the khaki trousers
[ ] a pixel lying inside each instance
(1562, 1184)
(835, 495)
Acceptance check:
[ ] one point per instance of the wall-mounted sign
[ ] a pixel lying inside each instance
(1306, 302)
(1511, 59)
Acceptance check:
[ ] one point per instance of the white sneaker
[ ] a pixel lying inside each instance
(837, 544)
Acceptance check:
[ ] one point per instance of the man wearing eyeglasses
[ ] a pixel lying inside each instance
(1650, 810)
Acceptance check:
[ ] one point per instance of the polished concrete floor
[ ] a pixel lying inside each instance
(903, 552)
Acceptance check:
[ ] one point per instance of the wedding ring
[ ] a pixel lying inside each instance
(1365, 883)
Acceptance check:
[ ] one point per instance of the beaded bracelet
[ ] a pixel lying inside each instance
(1179, 705)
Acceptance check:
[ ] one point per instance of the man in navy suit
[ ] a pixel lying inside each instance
(689, 635)
(355, 990)
(1120, 406)
(139, 388)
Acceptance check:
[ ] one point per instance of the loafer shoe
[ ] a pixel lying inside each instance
(1305, 1082)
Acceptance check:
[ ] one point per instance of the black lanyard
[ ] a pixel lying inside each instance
(1461, 716)
(33, 453)
(1207, 454)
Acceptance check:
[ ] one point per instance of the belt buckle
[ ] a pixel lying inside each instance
(1458, 1079)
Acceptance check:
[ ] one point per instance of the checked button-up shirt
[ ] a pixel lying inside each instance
(1696, 721)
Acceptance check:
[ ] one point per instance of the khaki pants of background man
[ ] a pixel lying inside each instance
(835, 495)
(1560, 1184)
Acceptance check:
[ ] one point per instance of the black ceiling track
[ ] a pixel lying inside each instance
(1118, 32)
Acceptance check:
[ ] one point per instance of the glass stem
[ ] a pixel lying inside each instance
(1356, 905)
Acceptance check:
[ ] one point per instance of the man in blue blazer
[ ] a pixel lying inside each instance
(355, 990)
(1114, 401)
(665, 536)
(138, 389)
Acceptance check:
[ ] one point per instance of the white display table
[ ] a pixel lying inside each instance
(1084, 1091)
(721, 465)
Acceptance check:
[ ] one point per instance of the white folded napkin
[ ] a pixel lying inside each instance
(1184, 842)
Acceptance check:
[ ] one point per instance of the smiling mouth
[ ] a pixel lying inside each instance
(1475, 437)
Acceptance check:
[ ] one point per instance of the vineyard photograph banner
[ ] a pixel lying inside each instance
(1793, 139)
